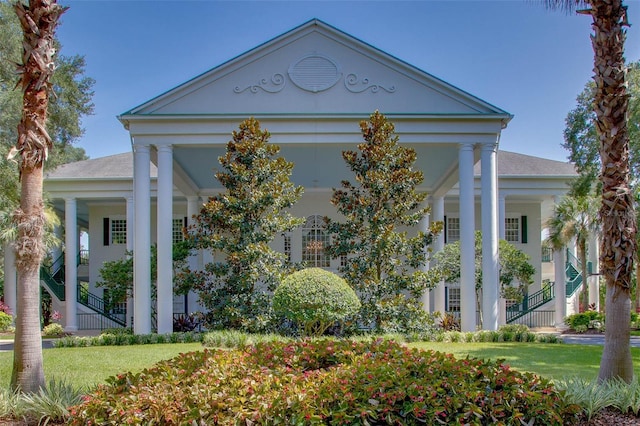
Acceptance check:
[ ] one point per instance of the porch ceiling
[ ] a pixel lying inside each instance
(318, 166)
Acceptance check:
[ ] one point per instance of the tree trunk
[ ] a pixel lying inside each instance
(582, 253)
(617, 214)
(38, 21)
(28, 373)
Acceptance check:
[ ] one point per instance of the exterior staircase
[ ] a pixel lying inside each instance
(546, 294)
(52, 279)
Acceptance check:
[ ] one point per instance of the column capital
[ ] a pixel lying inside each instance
(490, 147)
(142, 149)
(165, 148)
(466, 146)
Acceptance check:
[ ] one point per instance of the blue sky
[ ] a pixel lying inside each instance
(514, 54)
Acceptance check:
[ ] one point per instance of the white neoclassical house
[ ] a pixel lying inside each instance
(309, 87)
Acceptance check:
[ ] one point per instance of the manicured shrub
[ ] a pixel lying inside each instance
(585, 319)
(5, 321)
(53, 330)
(123, 339)
(335, 382)
(117, 330)
(315, 299)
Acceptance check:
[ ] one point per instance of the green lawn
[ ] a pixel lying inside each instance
(92, 365)
(554, 361)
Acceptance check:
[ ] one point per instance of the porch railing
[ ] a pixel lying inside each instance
(97, 304)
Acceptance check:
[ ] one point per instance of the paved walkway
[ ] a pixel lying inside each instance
(7, 345)
(592, 339)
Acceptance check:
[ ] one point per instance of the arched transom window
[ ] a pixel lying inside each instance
(314, 241)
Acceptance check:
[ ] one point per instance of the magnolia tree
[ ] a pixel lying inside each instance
(383, 261)
(237, 227)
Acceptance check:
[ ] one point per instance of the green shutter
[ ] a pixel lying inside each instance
(105, 231)
(444, 229)
(523, 229)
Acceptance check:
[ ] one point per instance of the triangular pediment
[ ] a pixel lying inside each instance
(315, 69)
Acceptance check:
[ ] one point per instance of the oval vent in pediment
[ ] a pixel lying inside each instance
(315, 73)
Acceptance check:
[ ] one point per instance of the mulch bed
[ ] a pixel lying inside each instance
(610, 417)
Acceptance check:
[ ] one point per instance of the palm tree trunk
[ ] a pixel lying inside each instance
(28, 373)
(582, 253)
(38, 21)
(617, 214)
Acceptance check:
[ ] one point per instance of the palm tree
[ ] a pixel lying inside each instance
(574, 217)
(38, 20)
(617, 215)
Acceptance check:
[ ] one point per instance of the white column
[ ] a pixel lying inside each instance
(594, 280)
(467, 249)
(71, 264)
(560, 289)
(10, 279)
(437, 213)
(142, 240)
(502, 214)
(165, 239)
(490, 277)
(130, 237)
(192, 210)
(423, 226)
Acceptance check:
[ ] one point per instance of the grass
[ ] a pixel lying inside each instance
(87, 367)
(553, 361)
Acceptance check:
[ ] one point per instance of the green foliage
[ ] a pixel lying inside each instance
(515, 271)
(53, 330)
(584, 319)
(383, 262)
(506, 333)
(5, 321)
(575, 217)
(117, 330)
(71, 101)
(238, 339)
(315, 299)
(580, 137)
(325, 382)
(126, 339)
(116, 276)
(237, 227)
(47, 405)
(591, 395)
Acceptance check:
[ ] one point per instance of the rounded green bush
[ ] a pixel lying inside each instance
(53, 330)
(315, 299)
(5, 321)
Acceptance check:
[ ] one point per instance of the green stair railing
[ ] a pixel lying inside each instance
(57, 288)
(53, 277)
(574, 280)
(98, 305)
(530, 303)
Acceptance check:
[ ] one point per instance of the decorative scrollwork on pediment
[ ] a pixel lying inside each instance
(356, 85)
(269, 85)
